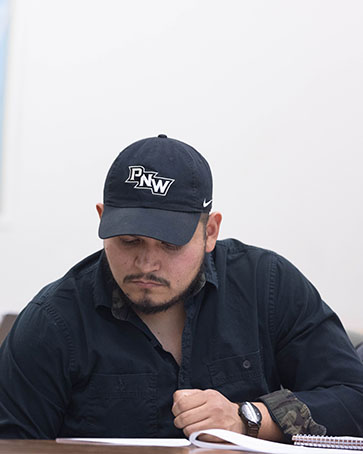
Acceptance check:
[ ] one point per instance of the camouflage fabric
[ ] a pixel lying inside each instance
(290, 414)
(119, 309)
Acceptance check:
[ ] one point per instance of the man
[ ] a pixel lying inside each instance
(167, 330)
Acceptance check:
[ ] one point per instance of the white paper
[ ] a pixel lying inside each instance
(245, 443)
(169, 442)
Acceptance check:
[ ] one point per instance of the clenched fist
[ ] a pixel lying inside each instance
(195, 410)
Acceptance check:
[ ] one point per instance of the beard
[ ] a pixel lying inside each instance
(147, 306)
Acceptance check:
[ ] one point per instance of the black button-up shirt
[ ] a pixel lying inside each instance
(71, 368)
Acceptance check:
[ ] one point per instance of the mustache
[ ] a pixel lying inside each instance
(146, 277)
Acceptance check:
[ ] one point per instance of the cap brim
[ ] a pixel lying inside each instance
(173, 227)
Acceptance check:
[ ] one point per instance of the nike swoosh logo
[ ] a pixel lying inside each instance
(205, 203)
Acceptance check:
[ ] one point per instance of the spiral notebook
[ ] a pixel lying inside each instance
(319, 441)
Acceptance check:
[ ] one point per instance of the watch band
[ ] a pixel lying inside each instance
(252, 429)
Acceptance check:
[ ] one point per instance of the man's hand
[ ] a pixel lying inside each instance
(195, 410)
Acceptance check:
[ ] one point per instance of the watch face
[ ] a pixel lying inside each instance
(251, 412)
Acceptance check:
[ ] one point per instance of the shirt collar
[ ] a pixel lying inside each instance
(210, 269)
(103, 283)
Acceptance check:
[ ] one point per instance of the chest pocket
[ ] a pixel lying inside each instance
(121, 405)
(239, 377)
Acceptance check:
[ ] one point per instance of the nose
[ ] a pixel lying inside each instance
(147, 259)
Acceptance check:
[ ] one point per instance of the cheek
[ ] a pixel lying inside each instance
(187, 267)
(119, 262)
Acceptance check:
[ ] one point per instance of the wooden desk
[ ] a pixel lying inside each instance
(52, 447)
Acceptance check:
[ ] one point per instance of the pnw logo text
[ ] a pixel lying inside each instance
(147, 179)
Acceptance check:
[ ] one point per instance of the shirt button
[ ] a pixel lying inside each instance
(246, 364)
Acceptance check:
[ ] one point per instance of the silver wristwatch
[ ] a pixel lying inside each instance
(251, 417)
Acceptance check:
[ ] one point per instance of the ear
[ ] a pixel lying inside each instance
(212, 230)
(99, 208)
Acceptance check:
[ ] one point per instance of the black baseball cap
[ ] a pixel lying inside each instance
(158, 188)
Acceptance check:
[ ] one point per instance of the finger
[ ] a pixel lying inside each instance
(211, 439)
(184, 392)
(181, 394)
(191, 417)
(188, 401)
(201, 425)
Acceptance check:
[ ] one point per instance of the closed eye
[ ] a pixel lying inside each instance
(171, 247)
(129, 241)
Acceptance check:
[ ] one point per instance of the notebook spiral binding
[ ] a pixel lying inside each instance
(320, 441)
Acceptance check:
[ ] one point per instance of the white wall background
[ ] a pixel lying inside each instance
(269, 91)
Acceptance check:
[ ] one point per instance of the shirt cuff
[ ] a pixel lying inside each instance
(290, 414)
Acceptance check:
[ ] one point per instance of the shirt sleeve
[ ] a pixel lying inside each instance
(291, 414)
(314, 356)
(35, 375)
